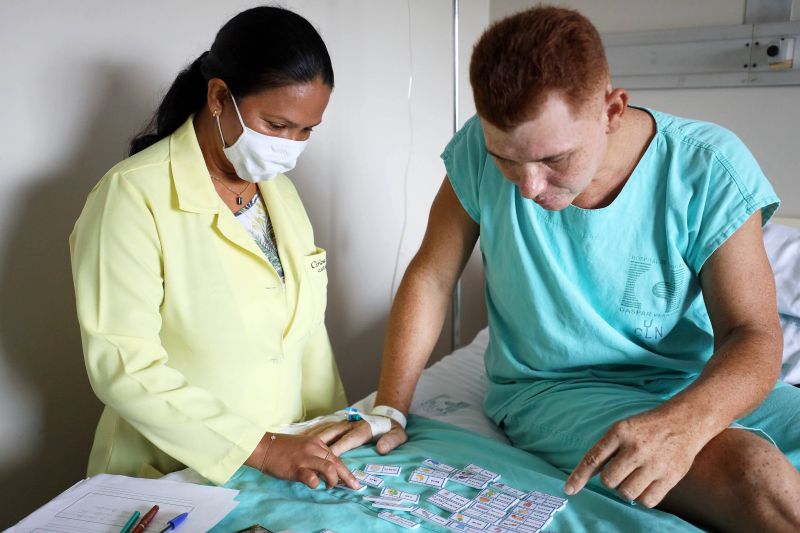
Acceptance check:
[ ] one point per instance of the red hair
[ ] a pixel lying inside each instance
(523, 58)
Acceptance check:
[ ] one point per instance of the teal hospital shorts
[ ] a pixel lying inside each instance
(561, 420)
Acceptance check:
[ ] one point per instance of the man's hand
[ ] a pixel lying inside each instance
(642, 457)
(344, 436)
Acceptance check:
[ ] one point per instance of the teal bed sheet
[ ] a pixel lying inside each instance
(279, 505)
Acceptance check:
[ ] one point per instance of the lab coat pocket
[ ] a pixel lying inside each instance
(316, 284)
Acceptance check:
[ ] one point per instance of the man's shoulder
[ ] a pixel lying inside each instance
(469, 138)
(689, 134)
(465, 155)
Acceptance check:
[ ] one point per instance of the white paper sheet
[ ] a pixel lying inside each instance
(103, 504)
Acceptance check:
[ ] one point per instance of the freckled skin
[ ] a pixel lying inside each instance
(682, 456)
(672, 456)
(563, 156)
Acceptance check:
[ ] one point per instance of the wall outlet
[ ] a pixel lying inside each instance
(780, 53)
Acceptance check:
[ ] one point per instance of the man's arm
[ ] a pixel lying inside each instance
(646, 455)
(418, 312)
(739, 291)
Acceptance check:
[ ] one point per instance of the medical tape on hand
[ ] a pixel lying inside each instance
(379, 425)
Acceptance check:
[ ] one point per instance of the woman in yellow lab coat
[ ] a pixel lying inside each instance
(200, 292)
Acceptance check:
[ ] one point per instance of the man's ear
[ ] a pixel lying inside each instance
(615, 106)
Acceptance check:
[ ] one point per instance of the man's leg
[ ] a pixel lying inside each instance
(739, 474)
(739, 482)
(755, 485)
(559, 421)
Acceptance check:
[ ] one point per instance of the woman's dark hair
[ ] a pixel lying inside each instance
(261, 48)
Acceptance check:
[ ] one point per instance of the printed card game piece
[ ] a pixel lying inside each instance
(484, 512)
(395, 505)
(496, 499)
(521, 510)
(518, 523)
(502, 487)
(541, 499)
(341, 485)
(399, 520)
(449, 501)
(535, 511)
(429, 480)
(518, 527)
(469, 520)
(525, 518)
(458, 526)
(538, 512)
(470, 480)
(429, 516)
(536, 496)
(368, 479)
(482, 472)
(406, 505)
(382, 470)
(538, 523)
(389, 492)
(437, 465)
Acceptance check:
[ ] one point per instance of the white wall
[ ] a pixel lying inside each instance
(765, 118)
(358, 213)
(80, 77)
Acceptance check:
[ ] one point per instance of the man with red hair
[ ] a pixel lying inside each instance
(632, 309)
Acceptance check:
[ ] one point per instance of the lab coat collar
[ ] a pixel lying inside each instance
(196, 194)
(192, 181)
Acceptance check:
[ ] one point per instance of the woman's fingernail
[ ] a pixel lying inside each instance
(569, 489)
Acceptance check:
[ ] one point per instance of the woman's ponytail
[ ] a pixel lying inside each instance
(185, 96)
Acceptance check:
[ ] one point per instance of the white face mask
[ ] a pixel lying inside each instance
(257, 157)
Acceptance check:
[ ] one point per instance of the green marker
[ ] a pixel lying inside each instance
(129, 524)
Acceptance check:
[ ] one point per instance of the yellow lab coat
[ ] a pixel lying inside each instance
(189, 337)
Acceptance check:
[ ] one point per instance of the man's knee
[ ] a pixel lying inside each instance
(747, 463)
(738, 478)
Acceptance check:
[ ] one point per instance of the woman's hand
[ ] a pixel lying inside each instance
(302, 458)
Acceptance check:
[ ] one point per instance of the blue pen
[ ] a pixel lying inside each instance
(175, 522)
(129, 524)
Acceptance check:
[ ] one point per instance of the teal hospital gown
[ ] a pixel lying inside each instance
(598, 314)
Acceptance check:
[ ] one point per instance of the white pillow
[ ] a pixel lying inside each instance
(790, 371)
(783, 249)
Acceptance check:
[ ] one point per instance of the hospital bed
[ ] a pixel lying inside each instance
(447, 423)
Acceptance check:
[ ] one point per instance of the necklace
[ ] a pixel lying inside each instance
(239, 200)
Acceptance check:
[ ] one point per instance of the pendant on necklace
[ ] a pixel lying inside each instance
(239, 200)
